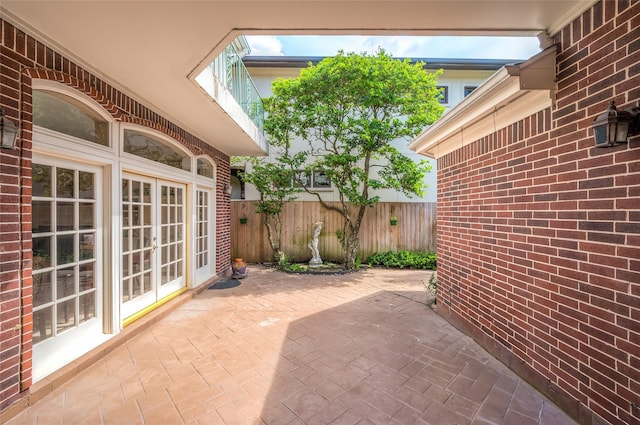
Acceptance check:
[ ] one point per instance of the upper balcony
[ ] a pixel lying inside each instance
(228, 82)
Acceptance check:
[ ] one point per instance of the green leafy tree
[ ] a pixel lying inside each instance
(349, 109)
(273, 181)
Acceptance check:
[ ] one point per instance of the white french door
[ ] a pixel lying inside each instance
(153, 241)
(67, 210)
(203, 234)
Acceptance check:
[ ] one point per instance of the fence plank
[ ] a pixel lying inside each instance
(415, 230)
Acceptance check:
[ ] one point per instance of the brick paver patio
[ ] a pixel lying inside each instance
(289, 349)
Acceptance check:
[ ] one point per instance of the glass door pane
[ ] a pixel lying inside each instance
(64, 252)
(204, 235)
(67, 262)
(137, 290)
(171, 241)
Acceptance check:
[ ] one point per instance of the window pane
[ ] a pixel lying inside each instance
(302, 178)
(125, 215)
(86, 185)
(146, 193)
(320, 179)
(87, 276)
(147, 282)
(135, 191)
(125, 265)
(64, 183)
(41, 176)
(468, 90)
(126, 290)
(65, 282)
(87, 245)
(41, 216)
(125, 240)
(65, 247)
(86, 216)
(136, 284)
(444, 94)
(135, 215)
(87, 306)
(41, 253)
(42, 324)
(205, 168)
(156, 150)
(66, 315)
(65, 216)
(66, 115)
(125, 190)
(42, 289)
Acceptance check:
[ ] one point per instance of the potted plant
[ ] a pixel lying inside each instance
(393, 220)
(243, 220)
(239, 268)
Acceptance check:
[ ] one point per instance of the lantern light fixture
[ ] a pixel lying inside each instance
(614, 127)
(8, 132)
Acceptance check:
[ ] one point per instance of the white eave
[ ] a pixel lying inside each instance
(511, 94)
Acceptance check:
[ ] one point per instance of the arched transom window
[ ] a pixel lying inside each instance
(64, 114)
(155, 149)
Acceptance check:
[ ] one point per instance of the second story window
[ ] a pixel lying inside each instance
(468, 90)
(444, 94)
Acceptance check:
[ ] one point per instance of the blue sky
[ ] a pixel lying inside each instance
(398, 46)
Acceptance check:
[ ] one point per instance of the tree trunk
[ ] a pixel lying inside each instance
(275, 236)
(351, 248)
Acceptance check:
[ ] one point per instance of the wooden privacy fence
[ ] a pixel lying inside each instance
(415, 231)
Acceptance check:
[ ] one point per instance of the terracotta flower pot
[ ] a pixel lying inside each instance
(239, 268)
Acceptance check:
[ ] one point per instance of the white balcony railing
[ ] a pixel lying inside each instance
(232, 74)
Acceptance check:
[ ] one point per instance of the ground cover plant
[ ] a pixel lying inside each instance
(404, 259)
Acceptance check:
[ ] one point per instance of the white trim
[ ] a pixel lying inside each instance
(58, 142)
(55, 352)
(208, 184)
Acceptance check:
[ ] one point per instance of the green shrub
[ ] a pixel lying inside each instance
(404, 259)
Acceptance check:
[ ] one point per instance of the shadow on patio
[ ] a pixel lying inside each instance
(359, 348)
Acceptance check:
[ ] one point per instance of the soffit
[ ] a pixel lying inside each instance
(153, 49)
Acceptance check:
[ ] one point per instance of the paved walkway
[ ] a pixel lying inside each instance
(283, 349)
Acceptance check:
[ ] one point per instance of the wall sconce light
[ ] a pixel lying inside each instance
(227, 189)
(614, 127)
(8, 132)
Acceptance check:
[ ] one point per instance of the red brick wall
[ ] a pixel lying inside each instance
(23, 58)
(539, 231)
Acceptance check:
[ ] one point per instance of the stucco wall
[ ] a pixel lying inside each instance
(539, 231)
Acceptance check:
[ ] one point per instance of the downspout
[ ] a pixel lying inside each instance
(20, 325)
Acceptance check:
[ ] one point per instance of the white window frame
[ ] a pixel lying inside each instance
(205, 184)
(93, 332)
(55, 142)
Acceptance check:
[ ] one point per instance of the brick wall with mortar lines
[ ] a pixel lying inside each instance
(23, 58)
(539, 231)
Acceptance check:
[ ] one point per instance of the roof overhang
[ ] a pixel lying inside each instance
(299, 62)
(511, 94)
(152, 50)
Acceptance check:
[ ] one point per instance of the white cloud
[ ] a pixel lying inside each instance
(265, 45)
(398, 46)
